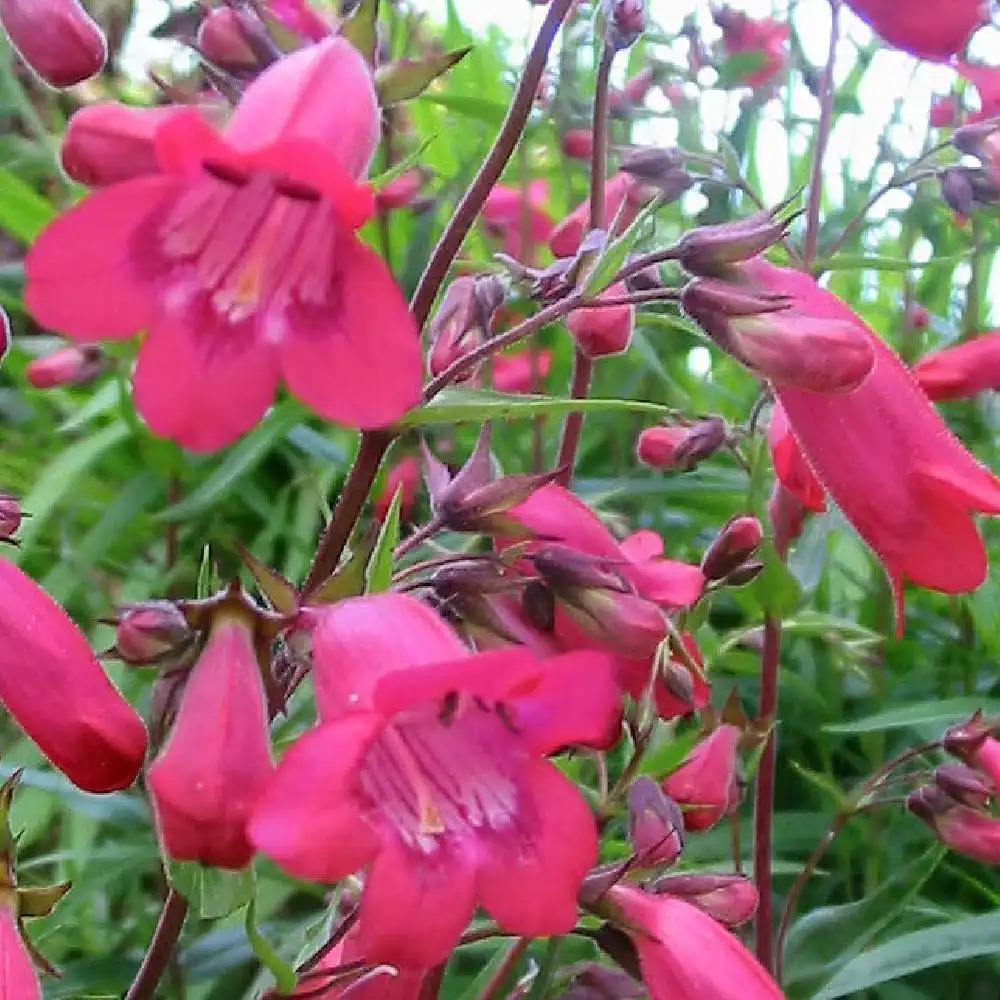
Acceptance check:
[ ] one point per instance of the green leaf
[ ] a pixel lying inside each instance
(941, 944)
(238, 462)
(409, 78)
(457, 406)
(213, 892)
(23, 212)
(490, 112)
(380, 566)
(400, 168)
(284, 975)
(819, 944)
(361, 29)
(940, 712)
(616, 251)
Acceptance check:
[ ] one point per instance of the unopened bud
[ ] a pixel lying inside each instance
(956, 190)
(578, 144)
(10, 516)
(708, 250)
(57, 38)
(603, 330)
(6, 338)
(625, 21)
(401, 191)
(462, 320)
(539, 606)
(965, 739)
(707, 784)
(730, 899)
(744, 574)
(971, 137)
(929, 802)
(591, 981)
(733, 546)
(404, 476)
(944, 112)
(681, 448)
(964, 785)
(662, 169)
(147, 633)
(655, 824)
(69, 366)
(638, 87)
(222, 41)
(787, 516)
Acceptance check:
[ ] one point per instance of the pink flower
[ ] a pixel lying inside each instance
(961, 371)
(926, 30)
(57, 692)
(404, 475)
(66, 367)
(5, 335)
(297, 16)
(684, 954)
(57, 38)
(960, 828)
(240, 260)
(945, 112)
(517, 215)
(401, 191)
(602, 330)
(428, 768)
(622, 194)
(517, 372)
(578, 144)
(986, 80)
(18, 979)
(707, 783)
(790, 466)
(887, 459)
(218, 756)
(765, 38)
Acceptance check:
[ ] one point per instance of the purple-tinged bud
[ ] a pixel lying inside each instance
(738, 540)
(590, 981)
(662, 169)
(6, 339)
(57, 38)
(655, 824)
(732, 900)
(624, 22)
(965, 785)
(965, 739)
(708, 251)
(744, 574)
(539, 606)
(148, 633)
(960, 828)
(10, 517)
(223, 42)
(646, 280)
(462, 321)
(956, 190)
(69, 366)
(681, 448)
(971, 137)
(603, 330)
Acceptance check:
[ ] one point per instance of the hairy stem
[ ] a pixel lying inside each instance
(493, 166)
(763, 814)
(583, 364)
(161, 948)
(826, 97)
(495, 987)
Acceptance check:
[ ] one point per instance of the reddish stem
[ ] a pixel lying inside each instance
(763, 816)
(161, 948)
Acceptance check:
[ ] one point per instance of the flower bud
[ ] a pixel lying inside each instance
(708, 250)
(638, 87)
(148, 633)
(578, 144)
(6, 339)
(730, 899)
(523, 371)
(964, 830)
(462, 321)
(57, 38)
(624, 22)
(965, 739)
(602, 330)
(69, 366)
(744, 574)
(655, 824)
(662, 169)
(917, 317)
(944, 112)
(681, 448)
(10, 517)
(405, 476)
(964, 785)
(956, 190)
(734, 545)
(590, 981)
(108, 143)
(787, 516)
(707, 784)
(222, 40)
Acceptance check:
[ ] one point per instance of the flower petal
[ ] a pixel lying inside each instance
(666, 581)
(531, 888)
(306, 820)
(360, 363)
(415, 907)
(84, 275)
(202, 382)
(358, 641)
(641, 546)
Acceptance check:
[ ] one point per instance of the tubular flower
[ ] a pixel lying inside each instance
(405, 476)
(218, 756)
(900, 477)
(428, 768)
(599, 331)
(961, 371)
(57, 692)
(684, 954)
(519, 372)
(624, 198)
(18, 979)
(519, 218)
(928, 31)
(986, 80)
(240, 259)
(790, 466)
(706, 784)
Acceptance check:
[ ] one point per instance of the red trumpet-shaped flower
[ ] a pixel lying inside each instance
(905, 483)
(523, 371)
(684, 954)
(57, 692)
(239, 257)
(428, 768)
(961, 371)
(18, 979)
(602, 330)
(926, 30)
(218, 756)
(624, 198)
(707, 784)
